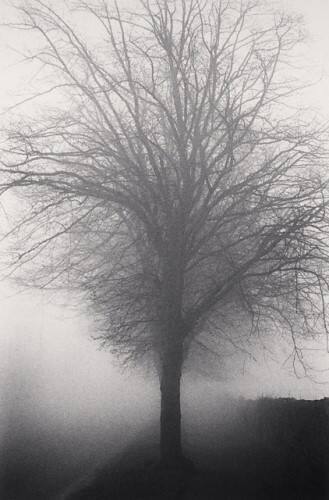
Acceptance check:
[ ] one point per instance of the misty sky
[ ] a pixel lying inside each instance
(46, 356)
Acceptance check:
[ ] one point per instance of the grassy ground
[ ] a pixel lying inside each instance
(254, 450)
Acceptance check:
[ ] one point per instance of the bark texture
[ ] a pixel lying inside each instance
(170, 420)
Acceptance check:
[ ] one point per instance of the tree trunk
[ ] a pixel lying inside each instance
(171, 350)
(170, 419)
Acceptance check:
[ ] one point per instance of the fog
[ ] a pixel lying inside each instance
(66, 405)
(61, 398)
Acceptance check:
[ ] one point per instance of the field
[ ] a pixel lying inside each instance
(267, 449)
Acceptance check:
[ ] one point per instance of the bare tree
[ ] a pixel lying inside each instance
(171, 186)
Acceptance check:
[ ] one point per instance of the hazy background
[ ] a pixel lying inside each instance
(54, 381)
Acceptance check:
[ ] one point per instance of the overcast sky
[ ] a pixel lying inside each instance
(48, 347)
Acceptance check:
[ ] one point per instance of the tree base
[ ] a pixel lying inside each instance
(173, 477)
